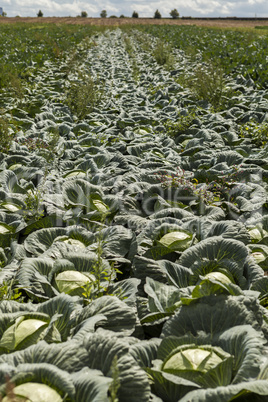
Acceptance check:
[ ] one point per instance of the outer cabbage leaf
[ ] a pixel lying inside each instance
(120, 317)
(145, 351)
(57, 379)
(230, 229)
(214, 314)
(214, 254)
(91, 386)
(163, 299)
(255, 390)
(33, 277)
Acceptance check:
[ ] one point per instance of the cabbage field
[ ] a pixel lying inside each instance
(133, 214)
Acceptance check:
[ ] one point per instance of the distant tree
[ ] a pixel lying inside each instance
(103, 14)
(40, 14)
(157, 14)
(113, 16)
(122, 16)
(135, 14)
(174, 13)
(84, 14)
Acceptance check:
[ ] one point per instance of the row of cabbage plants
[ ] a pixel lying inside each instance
(237, 51)
(133, 230)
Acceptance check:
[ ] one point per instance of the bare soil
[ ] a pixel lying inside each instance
(220, 23)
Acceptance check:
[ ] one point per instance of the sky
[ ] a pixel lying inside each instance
(193, 8)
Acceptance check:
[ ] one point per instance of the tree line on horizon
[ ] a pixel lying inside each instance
(173, 13)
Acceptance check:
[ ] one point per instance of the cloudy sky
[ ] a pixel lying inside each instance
(194, 8)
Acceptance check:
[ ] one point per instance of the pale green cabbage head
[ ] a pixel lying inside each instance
(20, 331)
(72, 282)
(33, 392)
(200, 364)
(177, 241)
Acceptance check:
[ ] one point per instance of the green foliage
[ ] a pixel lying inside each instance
(8, 291)
(53, 141)
(103, 14)
(83, 95)
(30, 46)
(208, 84)
(261, 27)
(157, 14)
(181, 125)
(237, 51)
(174, 13)
(163, 54)
(143, 41)
(103, 279)
(10, 80)
(34, 208)
(257, 132)
(131, 51)
(45, 148)
(50, 149)
(6, 137)
(40, 14)
(149, 183)
(128, 45)
(135, 14)
(83, 14)
(210, 192)
(115, 385)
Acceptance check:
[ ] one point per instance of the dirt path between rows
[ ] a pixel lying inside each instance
(220, 23)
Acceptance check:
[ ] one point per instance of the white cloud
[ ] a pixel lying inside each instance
(52, 8)
(194, 8)
(257, 2)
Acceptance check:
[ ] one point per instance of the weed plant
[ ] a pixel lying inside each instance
(9, 292)
(181, 125)
(45, 148)
(34, 198)
(131, 52)
(77, 55)
(10, 83)
(34, 208)
(144, 42)
(6, 137)
(128, 45)
(83, 95)
(103, 279)
(208, 84)
(208, 192)
(163, 54)
(257, 132)
(115, 385)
